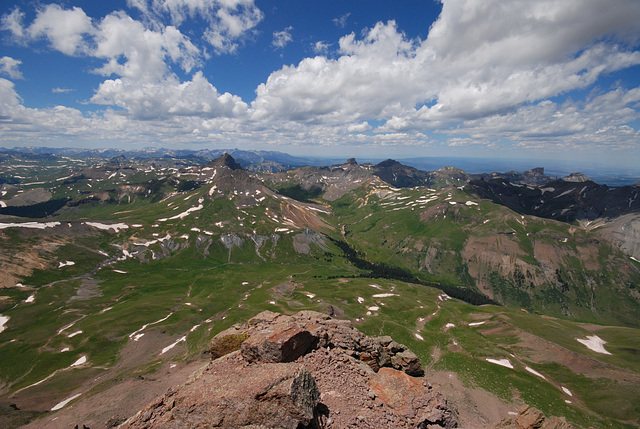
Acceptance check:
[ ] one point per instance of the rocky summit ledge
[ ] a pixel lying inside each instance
(302, 371)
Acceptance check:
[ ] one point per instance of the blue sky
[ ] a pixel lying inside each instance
(486, 78)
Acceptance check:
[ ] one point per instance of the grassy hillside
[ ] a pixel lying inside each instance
(144, 265)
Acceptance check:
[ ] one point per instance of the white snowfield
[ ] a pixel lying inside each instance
(595, 343)
(31, 298)
(170, 346)
(65, 402)
(32, 225)
(476, 323)
(133, 334)
(534, 372)
(384, 295)
(502, 362)
(66, 264)
(3, 322)
(567, 391)
(183, 214)
(80, 361)
(106, 227)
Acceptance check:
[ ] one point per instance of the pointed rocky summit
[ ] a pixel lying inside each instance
(225, 160)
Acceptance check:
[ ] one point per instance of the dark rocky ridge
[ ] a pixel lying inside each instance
(535, 176)
(561, 199)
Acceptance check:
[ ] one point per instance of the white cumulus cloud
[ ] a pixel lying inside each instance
(228, 22)
(282, 38)
(169, 97)
(10, 66)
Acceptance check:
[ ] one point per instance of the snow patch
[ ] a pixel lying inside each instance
(170, 346)
(66, 349)
(476, 323)
(534, 372)
(183, 214)
(32, 225)
(376, 286)
(105, 227)
(567, 391)
(133, 334)
(418, 336)
(384, 295)
(360, 300)
(471, 203)
(373, 308)
(74, 334)
(450, 325)
(595, 343)
(31, 298)
(80, 361)
(65, 402)
(502, 362)
(3, 321)
(65, 264)
(120, 271)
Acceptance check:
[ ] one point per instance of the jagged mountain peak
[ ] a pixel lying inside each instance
(225, 160)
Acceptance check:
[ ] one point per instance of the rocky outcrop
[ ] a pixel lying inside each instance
(576, 178)
(224, 160)
(302, 371)
(532, 418)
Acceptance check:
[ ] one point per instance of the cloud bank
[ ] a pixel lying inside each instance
(470, 82)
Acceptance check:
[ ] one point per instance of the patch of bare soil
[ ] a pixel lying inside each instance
(119, 392)
(89, 288)
(33, 196)
(477, 408)
(543, 351)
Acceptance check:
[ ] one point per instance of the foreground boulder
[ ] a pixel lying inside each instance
(532, 418)
(302, 371)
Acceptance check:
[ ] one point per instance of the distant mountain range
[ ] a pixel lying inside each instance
(274, 161)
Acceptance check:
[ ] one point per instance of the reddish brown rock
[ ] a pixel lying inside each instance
(532, 418)
(231, 394)
(305, 370)
(283, 341)
(412, 399)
